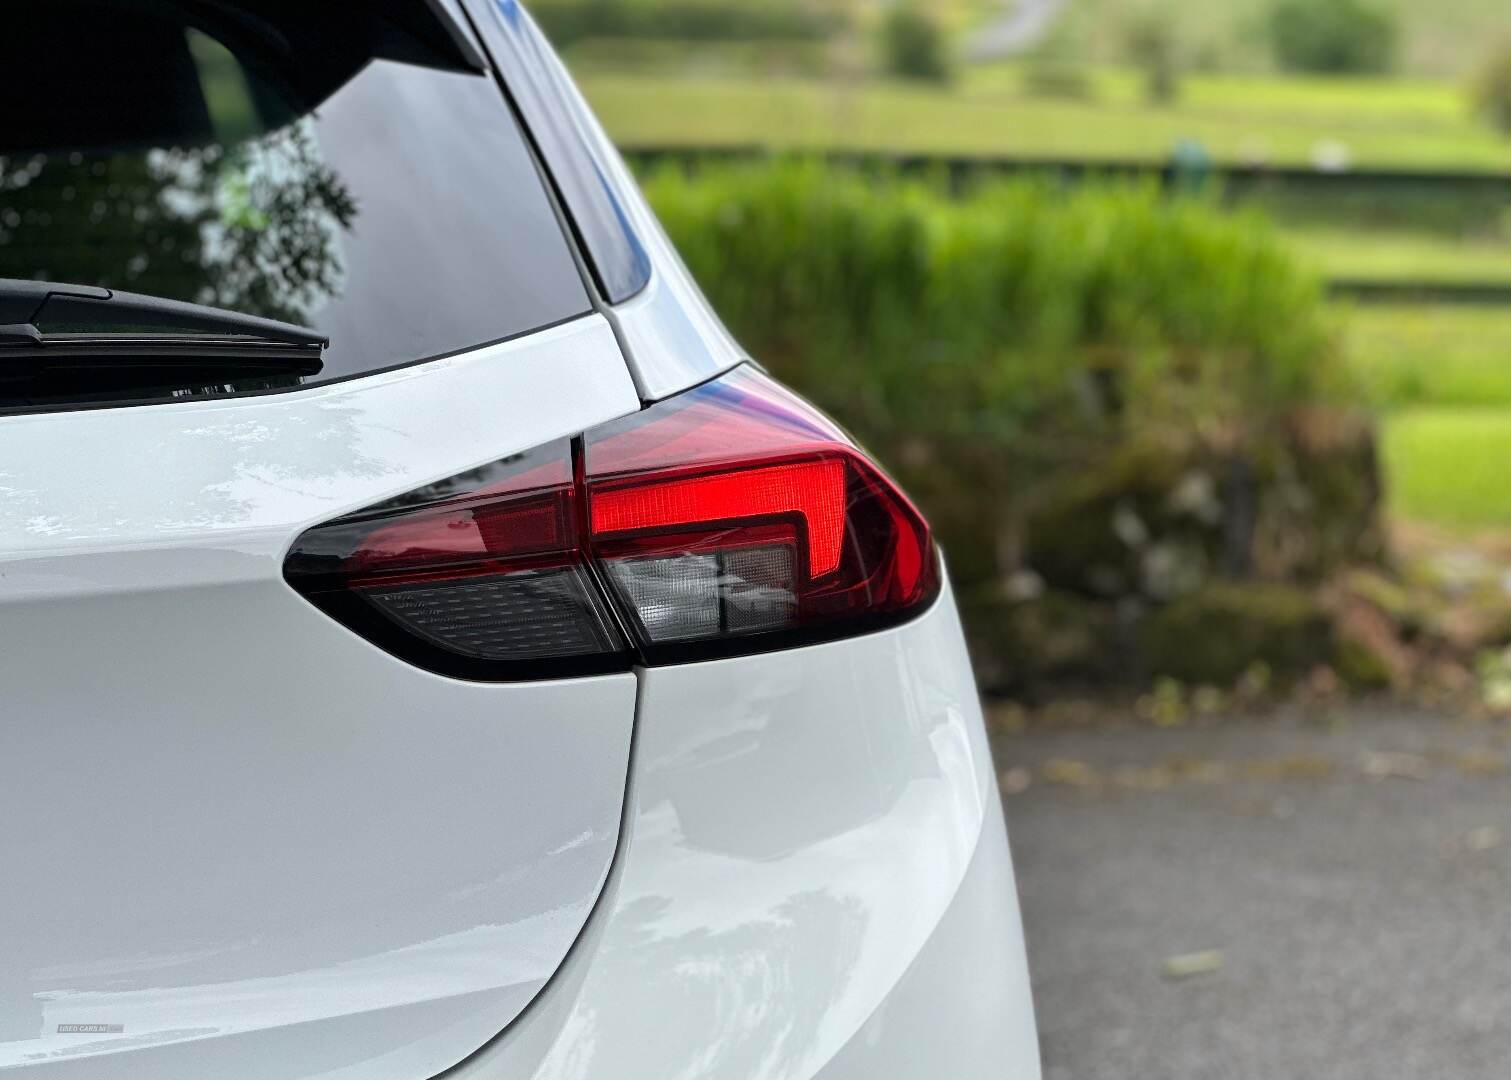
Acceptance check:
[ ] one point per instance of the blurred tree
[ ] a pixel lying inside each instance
(1332, 37)
(1057, 66)
(255, 228)
(1492, 88)
(913, 44)
(1152, 43)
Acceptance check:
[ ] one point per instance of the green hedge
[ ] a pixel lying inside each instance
(1098, 391)
(1333, 37)
(996, 312)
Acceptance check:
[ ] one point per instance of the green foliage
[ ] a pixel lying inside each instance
(1050, 77)
(1362, 667)
(1056, 636)
(1054, 68)
(1214, 635)
(1437, 38)
(1153, 46)
(1333, 37)
(1022, 342)
(1492, 89)
(913, 45)
(1102, 396)
(568, 21)
(1006, 309)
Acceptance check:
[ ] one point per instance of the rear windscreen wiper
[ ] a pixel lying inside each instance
(46, 325)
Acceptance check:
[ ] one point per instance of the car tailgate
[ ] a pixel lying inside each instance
(239, 840)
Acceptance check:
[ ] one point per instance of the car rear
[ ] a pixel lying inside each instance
(535, 690)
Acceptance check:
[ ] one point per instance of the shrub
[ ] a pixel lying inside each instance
(1212, 636)
(1153, 46)
(1116, 394)
(1057, 66)
(1492, 89)
(913, 45)
(1049, 77)
(1332, 37)
(1008, 305)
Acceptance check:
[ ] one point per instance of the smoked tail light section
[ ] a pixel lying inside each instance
(483, 575)
(731, 519)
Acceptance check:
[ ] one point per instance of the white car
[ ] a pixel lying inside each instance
(429, 645)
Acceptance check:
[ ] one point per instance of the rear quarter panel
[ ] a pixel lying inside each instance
(802, 828)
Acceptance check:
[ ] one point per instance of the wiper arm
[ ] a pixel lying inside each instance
(99, 326)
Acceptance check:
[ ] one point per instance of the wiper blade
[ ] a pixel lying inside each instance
(99, 327)
(24, 348)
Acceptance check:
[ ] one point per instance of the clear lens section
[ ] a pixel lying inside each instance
(683, 598)
(675, 598)
(758, 590)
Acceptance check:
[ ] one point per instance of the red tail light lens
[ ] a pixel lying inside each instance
(731, 519)
(736, 515)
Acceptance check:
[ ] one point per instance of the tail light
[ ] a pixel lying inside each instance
(731, 519)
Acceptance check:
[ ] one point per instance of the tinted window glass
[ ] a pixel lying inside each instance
(309, 163)
(550, 107)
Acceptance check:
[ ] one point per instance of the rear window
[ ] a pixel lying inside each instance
(319, 164)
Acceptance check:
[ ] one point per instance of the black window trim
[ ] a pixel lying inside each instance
(564, 156)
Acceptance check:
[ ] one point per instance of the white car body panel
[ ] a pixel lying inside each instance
(812, 836)
(239, 838)
(244, 843)
(964, 1009)
(668, 339)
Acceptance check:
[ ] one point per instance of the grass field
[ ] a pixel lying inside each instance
(1447, 466)
(1442, 377)
(1420, 125)
(1413, 356)
(1378, 255)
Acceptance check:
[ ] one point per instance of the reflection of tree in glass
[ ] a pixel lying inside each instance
(255, 228)
(271, 214)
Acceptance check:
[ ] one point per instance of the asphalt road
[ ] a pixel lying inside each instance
(1354, 875)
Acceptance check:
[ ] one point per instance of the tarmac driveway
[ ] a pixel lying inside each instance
(1298, 897)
